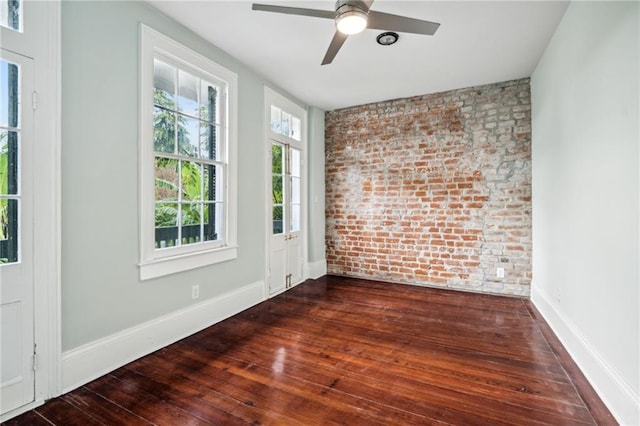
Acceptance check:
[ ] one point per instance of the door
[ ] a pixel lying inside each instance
(16, 231)
(285, 255)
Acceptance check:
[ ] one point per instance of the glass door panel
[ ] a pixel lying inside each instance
(9, 161)
(294, 181)
(278, 157)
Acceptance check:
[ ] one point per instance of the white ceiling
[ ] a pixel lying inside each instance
(478, 42)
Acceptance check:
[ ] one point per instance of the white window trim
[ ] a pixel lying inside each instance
(152, 263)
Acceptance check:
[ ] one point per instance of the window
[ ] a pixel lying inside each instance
(188, 151)
(284, 123)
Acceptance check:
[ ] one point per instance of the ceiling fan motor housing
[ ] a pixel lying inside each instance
(351, 16)
(345, 7)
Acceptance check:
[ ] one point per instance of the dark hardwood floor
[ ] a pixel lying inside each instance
(352, 352)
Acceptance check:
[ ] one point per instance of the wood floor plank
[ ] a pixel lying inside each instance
(143, 404)
(102, 409)
(31, 418)
(60, 412)
(192, 391)
(337, 351)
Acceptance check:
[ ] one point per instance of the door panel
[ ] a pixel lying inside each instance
(294, 260)
(294, 207)
(278, 266)
(16, 233)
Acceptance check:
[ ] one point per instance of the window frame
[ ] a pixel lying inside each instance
(159, 262)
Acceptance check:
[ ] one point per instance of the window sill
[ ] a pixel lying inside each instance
(170, 265)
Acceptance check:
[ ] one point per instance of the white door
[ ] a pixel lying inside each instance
(16, 231)
(285, 254)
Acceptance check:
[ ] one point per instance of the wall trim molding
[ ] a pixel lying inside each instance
(88, 362)
(617, 395)
(317, 269)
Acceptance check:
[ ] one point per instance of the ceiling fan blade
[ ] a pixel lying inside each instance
(294, 11)
(402, 24)
(336, 43)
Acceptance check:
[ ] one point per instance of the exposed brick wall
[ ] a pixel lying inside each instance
(433, 190)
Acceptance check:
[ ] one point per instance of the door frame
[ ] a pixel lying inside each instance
(271, 97)
(41, 41)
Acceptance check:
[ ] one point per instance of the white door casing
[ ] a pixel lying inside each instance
(286, 193)
(16, 274)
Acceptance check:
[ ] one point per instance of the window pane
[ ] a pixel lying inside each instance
(164, 83)
(9, 94)
(295, 128)
(8, 231)
(166, 181)
(277, 220)
(209, 141)
(286, 124)
(188, 136)
(164, 130)
(191, 223)
(213, 189)
(191, 181)
(166, 215)
(295, 190)
(166, 225)
(11, 12)
(295, 162)
(277, 189)
(188, 89)
(295, 217)
(213, 220)
(8, 162)
(276, 119)
(208, 102)
(276, 159)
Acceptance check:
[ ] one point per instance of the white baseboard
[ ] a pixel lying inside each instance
(316, 269)
(617, 395)
(20, 410)
(88, 362)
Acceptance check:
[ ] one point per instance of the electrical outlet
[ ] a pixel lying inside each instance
(500, 272)
(195, 291)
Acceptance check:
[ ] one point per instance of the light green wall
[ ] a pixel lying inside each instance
(101, 292)
(585, 116)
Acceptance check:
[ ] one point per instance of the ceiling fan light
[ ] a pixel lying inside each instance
(351, 22)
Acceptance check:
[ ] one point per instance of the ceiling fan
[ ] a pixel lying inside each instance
(352, 17)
